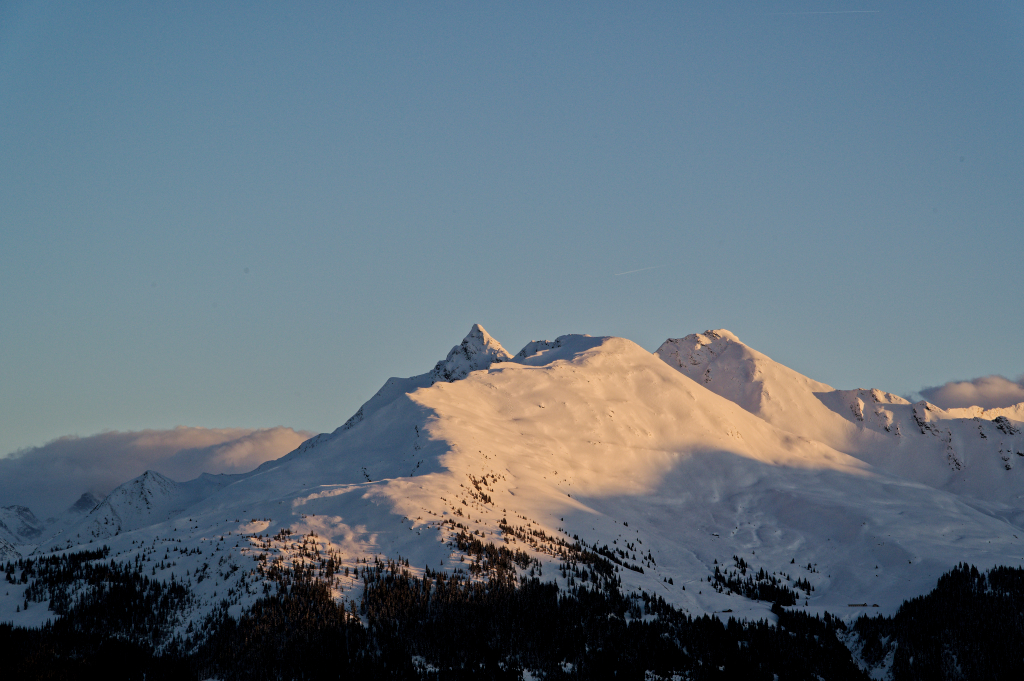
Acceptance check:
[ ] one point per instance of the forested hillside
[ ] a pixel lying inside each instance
(493, 624)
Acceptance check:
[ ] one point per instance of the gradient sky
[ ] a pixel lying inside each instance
(252, 214)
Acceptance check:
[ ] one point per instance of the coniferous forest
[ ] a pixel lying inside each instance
(493, 625)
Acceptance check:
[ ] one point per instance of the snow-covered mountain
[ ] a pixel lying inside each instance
(478, 350)
(672, 463)
(19, 525)
(20, 531)
(138, 503)
(971, 452)
(85, 503)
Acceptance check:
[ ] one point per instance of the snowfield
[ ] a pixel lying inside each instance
(675, 462)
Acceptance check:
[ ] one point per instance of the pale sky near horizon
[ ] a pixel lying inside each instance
(252, 214)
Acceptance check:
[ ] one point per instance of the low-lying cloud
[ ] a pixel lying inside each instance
(987, 392)
(50, 478)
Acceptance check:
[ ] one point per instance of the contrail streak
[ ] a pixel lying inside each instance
(642, 269)
(841, 11)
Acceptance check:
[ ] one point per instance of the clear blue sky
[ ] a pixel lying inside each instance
(251, 214)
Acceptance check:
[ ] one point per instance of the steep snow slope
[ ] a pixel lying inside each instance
(960, 451)
(20, 531)
(19, 525)
(8, 551)
(583, 437)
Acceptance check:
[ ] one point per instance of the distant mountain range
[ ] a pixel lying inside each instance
(21, 531)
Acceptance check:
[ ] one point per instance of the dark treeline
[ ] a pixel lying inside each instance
(494, 629)
(108, 618)
(970, 627)
(487, 623)
(98, 589)
(439, 626)
(757, 586)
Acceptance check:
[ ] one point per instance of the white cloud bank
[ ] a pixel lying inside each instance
(50, 478)
(987, 392)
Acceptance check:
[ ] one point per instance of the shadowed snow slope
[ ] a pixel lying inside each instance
(584, 437)
(20, 531)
